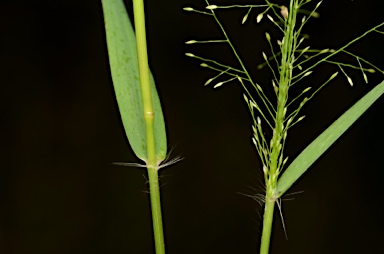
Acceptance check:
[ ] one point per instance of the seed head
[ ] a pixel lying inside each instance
(285, 160)
(275, 88)
(208, 81)
(350, 81)
(267, 36)
(265, 170)
(211, 7)
(285, 135)
(259, 87)
(289, 121)
(333, 75)
(190, 42)
(304, 101)
(244, 18)
(301, 118)
(308, 73)
(264, 56)
(256, 137)
(218, 85)
(324, 51)
(371, 70)
(284, 11)
(305, 50)
(245, 98)
(259, 17)
(253, 104)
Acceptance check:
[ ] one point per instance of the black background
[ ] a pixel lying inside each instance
(60, 132)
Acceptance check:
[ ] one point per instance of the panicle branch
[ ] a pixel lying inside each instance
(290, 62)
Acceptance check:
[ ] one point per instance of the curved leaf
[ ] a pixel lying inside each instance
(314, 150)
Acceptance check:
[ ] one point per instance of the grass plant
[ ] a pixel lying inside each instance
(137, 99)
(290, 64)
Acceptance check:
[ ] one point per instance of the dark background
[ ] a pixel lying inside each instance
(60, 132)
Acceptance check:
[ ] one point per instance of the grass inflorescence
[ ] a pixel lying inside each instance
(290, 64)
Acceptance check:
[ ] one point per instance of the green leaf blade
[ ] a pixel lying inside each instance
(314, 150)
(123, 61)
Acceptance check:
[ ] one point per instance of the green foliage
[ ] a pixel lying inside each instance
(137, 98)
(123, 61)
(314, 150)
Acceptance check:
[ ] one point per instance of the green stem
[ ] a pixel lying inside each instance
(139, 17)
(156, 210)
(278, 132)
(267, 225)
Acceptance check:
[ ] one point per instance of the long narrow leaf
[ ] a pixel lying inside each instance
(125, 75)
(314, 150)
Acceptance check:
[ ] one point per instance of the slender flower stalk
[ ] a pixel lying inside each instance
(278, 133)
